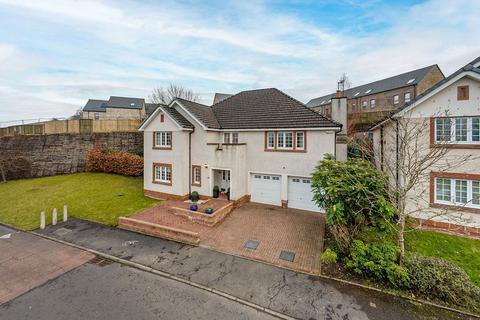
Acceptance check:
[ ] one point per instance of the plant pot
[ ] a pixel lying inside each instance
(216, 193)
(208, 211)
(193, 207)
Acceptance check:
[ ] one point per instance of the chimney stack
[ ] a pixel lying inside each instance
(339, 94)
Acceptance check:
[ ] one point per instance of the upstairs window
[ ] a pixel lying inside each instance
(364, 104)
(285, 140)
(230, 137)
(300, 140)
(372, 103)
(271, 140)
(354, 106)
(396, 99)
(407, 97)
(162, 139)
(462, 130)
(462, 93)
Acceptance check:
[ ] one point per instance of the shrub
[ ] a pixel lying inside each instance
(118, 162)
(328, 256)
(441, 279)
(354, 195)
(378, 261)
(194, 196)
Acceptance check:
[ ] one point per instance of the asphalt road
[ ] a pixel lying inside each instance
(113, 291)
(292, 293)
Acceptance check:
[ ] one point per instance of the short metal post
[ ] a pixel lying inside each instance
(42, 220)
(65, 213)
(54, 216)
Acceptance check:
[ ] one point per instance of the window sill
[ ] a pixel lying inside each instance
(454, 207)
(196, 184)
(162, 148)
(286, 150)
(455, 145)
(225, 144)
(162, 183)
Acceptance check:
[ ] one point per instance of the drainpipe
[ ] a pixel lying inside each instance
(190, 163)
(381, 147)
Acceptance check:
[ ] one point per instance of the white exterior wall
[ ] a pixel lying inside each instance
(249, 156)
(440, 104)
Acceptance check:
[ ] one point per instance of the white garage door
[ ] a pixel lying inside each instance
(266, 189)
(300, 194)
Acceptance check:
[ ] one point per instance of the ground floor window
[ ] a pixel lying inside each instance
(162, 173)
(197, 175)
(459, 192)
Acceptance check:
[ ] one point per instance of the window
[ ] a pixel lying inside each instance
(162, 173)
(462, 192)
(285, 141)
(372, 103)
(407, 97)
(354, 106)
(462, 93)
(396, 99)
(257, 176)
(162, 117)
(163, 139)
(196, 175)
(96, 116)
(462, 130)
(230, 137)
(300, 140)
(364, 104)
(235, 137)
(226, 137)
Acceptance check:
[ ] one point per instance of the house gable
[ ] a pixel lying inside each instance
(164, 119)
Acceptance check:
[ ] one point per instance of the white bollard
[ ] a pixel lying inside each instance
(54, 216)
(65, 213)
(42, 220)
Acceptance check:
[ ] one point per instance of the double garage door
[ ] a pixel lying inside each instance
(268, 189)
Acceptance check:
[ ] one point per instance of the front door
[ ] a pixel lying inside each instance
(225, 182)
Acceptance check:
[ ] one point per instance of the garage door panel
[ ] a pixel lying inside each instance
(300, 195)
(266, 189)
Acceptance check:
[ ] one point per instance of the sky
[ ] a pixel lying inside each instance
(55, 55)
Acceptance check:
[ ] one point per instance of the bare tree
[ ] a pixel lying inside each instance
(165, 95)
(344, 82)
(14, 167)
(408, 159)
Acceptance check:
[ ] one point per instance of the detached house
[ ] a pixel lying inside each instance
(449, 194)
(115, 108)
(261, 145)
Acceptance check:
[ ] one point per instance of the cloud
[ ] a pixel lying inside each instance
(66, 52)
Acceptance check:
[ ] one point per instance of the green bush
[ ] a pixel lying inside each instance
(377, 261)
(354, 195)
(194, 196)
(440, 279)
(328, 256)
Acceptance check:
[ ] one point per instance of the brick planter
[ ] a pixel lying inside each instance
(203, 218)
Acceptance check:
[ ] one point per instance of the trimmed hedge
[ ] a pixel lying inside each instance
(112, 161)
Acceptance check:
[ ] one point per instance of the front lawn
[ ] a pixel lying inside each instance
(96, 197)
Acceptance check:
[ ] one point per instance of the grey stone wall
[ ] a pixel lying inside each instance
(47, 155)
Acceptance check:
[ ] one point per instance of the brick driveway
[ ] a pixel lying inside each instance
(276, 229)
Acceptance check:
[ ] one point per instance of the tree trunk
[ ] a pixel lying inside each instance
(401, 239)
(2, 173)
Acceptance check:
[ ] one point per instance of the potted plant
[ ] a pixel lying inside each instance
(194, 196)
(228, 194)
(194, 207)
(216, 191)
(208, 210)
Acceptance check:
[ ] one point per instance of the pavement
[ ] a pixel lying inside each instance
(112, 291)
(295, 294)
(27, 261)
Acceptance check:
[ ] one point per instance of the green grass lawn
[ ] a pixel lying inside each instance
(96, 197)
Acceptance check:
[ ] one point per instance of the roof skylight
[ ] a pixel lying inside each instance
(323, 101)
(132, 104)
(356, 94)
(410, 81)
(368, 91)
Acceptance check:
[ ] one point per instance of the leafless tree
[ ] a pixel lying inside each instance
(165, 95)
(344, 82)
(408, 160)
(13, 167)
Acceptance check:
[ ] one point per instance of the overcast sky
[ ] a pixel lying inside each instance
(54, 55)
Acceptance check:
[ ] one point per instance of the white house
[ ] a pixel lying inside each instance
(261, 145)
(452, 109)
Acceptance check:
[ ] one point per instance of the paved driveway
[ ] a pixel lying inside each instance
(27, 261)
(272, 230)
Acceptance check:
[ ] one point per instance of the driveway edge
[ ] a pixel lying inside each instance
(172, 277)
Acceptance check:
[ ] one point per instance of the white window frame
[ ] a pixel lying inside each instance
(283, 144)
(372, 103)
(226, 137)
(163, 139)
(161, 174)
(230, 137)
(409, 95)
(303, 140)
(197, 169)
(396, 99)
(453, 194)
(364, 104)
(453, 131)
(271, 134)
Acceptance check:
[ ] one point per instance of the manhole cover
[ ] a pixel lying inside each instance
(62, 231)
(287, 255)
(251, 244)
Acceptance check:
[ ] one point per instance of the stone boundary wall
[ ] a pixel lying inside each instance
(47, 155)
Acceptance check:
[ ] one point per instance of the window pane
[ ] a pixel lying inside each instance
(396, 99)
(280, 140)
(157, 173)
(235, 137)
(226, 137)
(461, 191)
(300, 140)
(475, 129)
(372, 103)
(443, 189)
(168, 138)
(271, 140)
(476, 192)
(443, 129)
(461, 129)
(407, 97)
(288, 139)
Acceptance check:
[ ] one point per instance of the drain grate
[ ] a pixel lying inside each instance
(101, 262)
(251, 244)
(287, 255)
(62, 231)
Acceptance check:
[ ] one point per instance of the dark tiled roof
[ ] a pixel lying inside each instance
(201, 112)
(266, 108)
(221, 96)
(126, 103)
(395, 82)
(150, 108)
(95, 105)
(181, 120)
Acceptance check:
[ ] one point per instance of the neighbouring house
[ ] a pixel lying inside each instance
(115, 108)
(371, 102)
(450, 189)
(261, 145)
(221, 96)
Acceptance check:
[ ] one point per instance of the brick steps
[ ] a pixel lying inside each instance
(157, 230)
